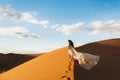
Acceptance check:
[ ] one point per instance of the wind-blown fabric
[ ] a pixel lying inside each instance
(86, 61)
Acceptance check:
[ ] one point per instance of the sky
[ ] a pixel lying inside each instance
(36, 26)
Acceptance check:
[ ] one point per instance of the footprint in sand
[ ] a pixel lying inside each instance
(66, 78)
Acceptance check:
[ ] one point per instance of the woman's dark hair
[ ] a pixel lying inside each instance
(71, 43)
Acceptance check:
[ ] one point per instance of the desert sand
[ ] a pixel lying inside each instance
(109, 66)
(11, 60)
(51, 66)
(55, 65)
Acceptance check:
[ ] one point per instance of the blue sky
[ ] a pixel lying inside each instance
(32, 26)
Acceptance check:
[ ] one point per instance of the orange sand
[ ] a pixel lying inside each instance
(50, 66)
(111, 42)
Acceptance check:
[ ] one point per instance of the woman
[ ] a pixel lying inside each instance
(86, 61)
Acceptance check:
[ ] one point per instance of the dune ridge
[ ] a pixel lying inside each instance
(50, 66)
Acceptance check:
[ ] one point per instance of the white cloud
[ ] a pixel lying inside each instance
(108, 27)
(55, 26)
(8, 12)
(19, 32)
(30, 18)
(69, 29)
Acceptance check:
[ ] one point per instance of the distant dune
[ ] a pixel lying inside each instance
(11, 60)
(55, 65)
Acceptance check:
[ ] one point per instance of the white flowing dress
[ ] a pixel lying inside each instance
(86, 61)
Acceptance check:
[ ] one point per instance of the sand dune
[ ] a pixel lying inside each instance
(53, 65)
(50, 66)
(112, 42)
(11, 60)
(109, 65)
(35, 55)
